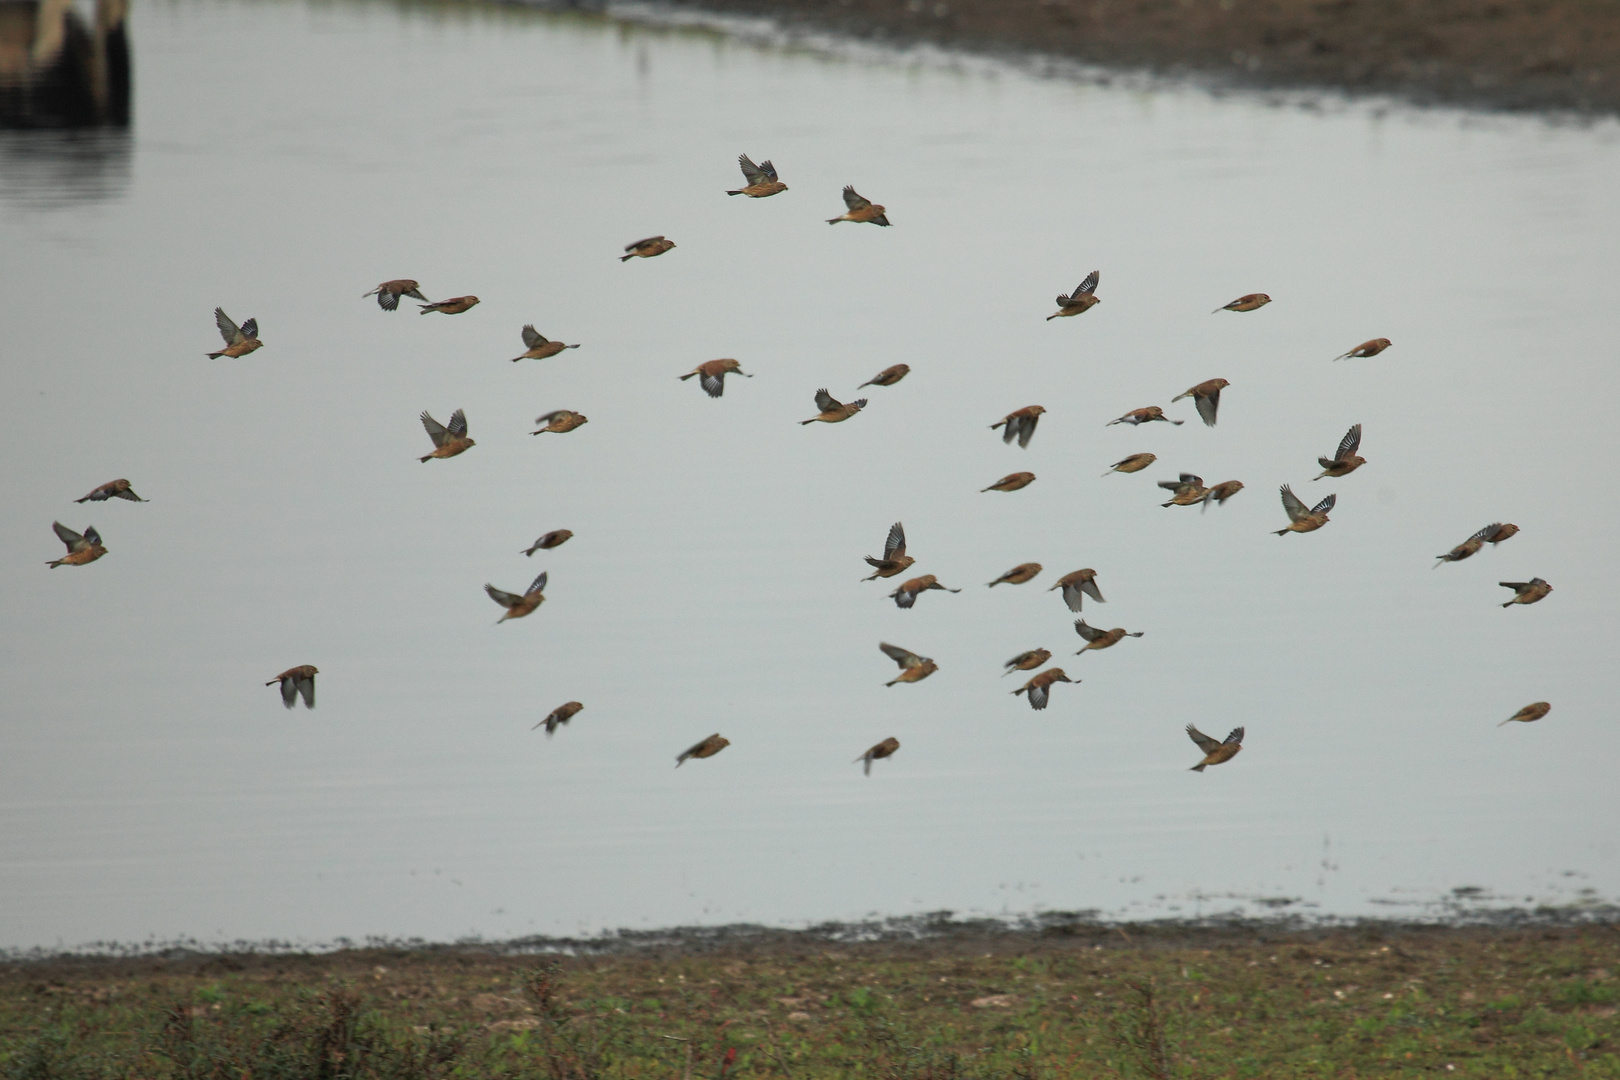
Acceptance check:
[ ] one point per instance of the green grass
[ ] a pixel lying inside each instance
(1082, 1002)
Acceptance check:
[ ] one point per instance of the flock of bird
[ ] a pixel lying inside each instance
(452, 439)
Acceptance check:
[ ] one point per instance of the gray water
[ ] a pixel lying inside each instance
(285, 157)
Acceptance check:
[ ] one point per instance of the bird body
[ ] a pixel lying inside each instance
(1026, 661)
(884, 749)
(1018, 575)
(860, 209)
(1470, 546)
(1020, 424)
(1301, 520)
(1145, 415)
(913, 668)
(1502, 533)
(1215, 752)
(1345, 460)
(834, 411)
(557, 717)
(1206, 396)
(112, 489)
(907, 594)
(1526, 592)
(1134, 463)
(389, 292)
(712, 375)
(646, 249)
(1082, 300)
(888, 376)
(1221, 492)
(1077, 586)
(1248, 302)
(453, 306)
(518, 606)
(295, 681)
(82, 548)
(762, 181)
(560, 421)
(1039, 689)
(239, 340)
(1187, 490)
(1366, 349)
(894, 560)
(1100, 639)
(1011, 482)
(705, 749)
(1529, 714)
(550, 540)
(448, 441)
(538, 347)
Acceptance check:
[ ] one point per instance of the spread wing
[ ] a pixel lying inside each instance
(826, 402)
(1291, 505)
(227, 329)
(1089, 285)
(1205, 743)
(436, 431)
(1090, 586)
(553, 415)
(505, 599)
(305, 685)
(458, 424)
(538, 585)
(91, 536)
(289, 691)
(904, 657)
(853, 200)
(1207, 405)
(1350, 443)
(73, 540)
(1090, 633)
(767, 168)
(1487, 532)
(531, 337)
(904, 599)
(643, 243)
(1234, 737)
(1026, 429)
(1038, 694)
(250, 329)
(1022, 657)
(1325, 505)
(714, 385)
(895, 545)
(753, 173)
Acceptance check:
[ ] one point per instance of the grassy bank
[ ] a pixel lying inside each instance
(1079, 1002)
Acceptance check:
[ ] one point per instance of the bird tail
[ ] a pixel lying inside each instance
(1178, 423)
(834, 220)
(1507, 604)
(811, 421)
(1279, 532)
(216, 355)
(570, 346)
(1217, 311)
(1197, 768)
(1049, 318)
(688, 375)
(737, 192)
(425, 457)
(515, 359)
(891, 682)
(1509, 720)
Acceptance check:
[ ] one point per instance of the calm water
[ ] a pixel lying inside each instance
(285, 157)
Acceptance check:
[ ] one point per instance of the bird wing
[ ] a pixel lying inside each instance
(250, 329)
(1234, 737)
(305, 684)
(73, 540)
(227, 329)
(1019, 659)
(436, 431)
(531, 337)
(714, 385)
(1172, 485)
(903, 598)
(826, 402)
(1090, 633)
(895, 545)
(751, 172)
(1516, 586)
(538, 585)
(1089, 285)
(1291, 505)
(1487, 532)
(1026, 429)
(904, 657)
(768, 169)
(643, 243)
(1350, 443)
(458, 424)
(1190, 480)
(1207, 406)
(550, 416)
(91, 536)
(853, 199)
(289, 691)
(1325, 505)
(1205, 743)
(1090, 586)
(503, 598)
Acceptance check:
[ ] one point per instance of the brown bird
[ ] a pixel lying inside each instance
(1471, 545)
(1248, 302)
(1215, 752)
(239, 340)
(297, 680)
(888, 376)
(1077, 586)
(1145, 415)
(1345, 460)
(557, 717)
(1221, 492)
(1024, 661)
(447, 441)
(1134, 463)
(552, 539)
(646, 249)
(1082, 300)
(1188, 490)
(1018, 574)
(762, 181)
(1011, 482)
(1524, 592)
(895, 560)
(1101, 639)
(85, 548)
(453, 306)
(1039, 688)
(1301, 520)
(882, 750)
(1367, 348)
(707, 748)
(1020, 424)
(538, 347)
(389, 292)
(1207, 396)
(832, 410)
(913, 668)
(1502, 533)
(518, 606)
(1529, 714)
(121, 489)
(713, 375)
(860, 209)
(561, 421)
(907, 594)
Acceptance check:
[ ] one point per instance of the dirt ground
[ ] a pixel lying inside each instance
(1561, 55)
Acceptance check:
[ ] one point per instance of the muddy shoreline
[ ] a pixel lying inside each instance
(1553, 56)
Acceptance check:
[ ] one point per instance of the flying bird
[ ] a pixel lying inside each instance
(112, 489)
(1215, 752)
(712, 375)
(550, 540)
(1502, 533)
(1248, 302)
(1301, 520)
(298, 680)
(832, 410)
(907, 594)
(1367, 348)
(447, 441)
(561, 421)
(518, 606)
(1524, 592)
(707, 748)
(1207, 396)
(1186, 491)
(895, 560)
(762, 181)
(1529, 714)
(537, 346)
(1039, 688)
(860, 209)
(1345, 460)
(1134, 463)
(913, 668)
(557, 717)
(1011, 482)
(1082, 300)
(1470, 546)
(453, 306)
(882, 750)
(1025, 661)
(646, 249)
(888, 376)
(1020, 424)
(389, 292)
(1018, 575)
(1100, 639)
(1220, 493)
(239, 340)
(1145, 415)
(1077, 586)
(82, 548)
